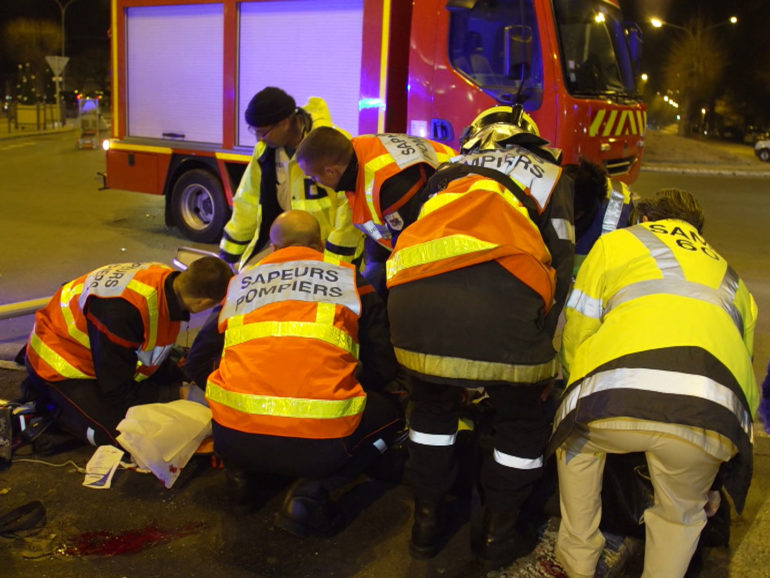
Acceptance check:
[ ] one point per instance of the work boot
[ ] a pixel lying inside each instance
(502, 542)
(429, 528)
(241, 489)
(308, 511)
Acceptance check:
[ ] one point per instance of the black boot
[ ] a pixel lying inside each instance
(241, 489)
(308, 511)
(502, 542)
(429, 528)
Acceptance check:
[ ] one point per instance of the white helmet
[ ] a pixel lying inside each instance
(499, 126)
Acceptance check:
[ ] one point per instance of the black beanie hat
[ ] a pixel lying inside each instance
(269, 106)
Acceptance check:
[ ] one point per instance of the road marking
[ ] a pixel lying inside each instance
(16, 146)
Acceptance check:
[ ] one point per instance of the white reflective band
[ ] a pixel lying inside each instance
(613, 212)
(380, 445)
(426, 439)
(90, 436)
(585, 305)
(564, 229)
(664, 257)
(658, 381)
(518, 463)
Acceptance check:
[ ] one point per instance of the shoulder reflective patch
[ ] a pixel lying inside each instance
(533, 174)
(310, 281)
(564, 229)
(408, 150)
(612, 212)
(585, 305)
(110, 281)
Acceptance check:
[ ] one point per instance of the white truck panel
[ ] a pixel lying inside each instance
(174, 71)
(306, 47)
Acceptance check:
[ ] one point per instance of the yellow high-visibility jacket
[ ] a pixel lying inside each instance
(659, 337)
(330, 208)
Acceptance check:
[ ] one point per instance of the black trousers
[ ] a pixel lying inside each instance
(520, 424)
(314, 458)
(81, 409)
(206, 350)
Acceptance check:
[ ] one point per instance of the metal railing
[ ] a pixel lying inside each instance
(11, 310)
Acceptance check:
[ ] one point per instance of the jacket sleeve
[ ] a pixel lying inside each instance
(558, 230)
(247, 211)
(378, 365)
(584, 307)
(115, 330)
(344, 241)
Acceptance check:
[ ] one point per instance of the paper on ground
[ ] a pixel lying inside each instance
(101, 467)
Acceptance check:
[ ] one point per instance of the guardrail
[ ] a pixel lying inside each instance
(11, 310)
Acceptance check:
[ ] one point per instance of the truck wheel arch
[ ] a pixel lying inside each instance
(196, 203)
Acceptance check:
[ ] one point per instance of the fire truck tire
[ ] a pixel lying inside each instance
(198, 206)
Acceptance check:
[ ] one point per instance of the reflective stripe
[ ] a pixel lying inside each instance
(459, 368)
(69, 292)
(613, 211)
(585, 305)
(61, 365)
(436, 440)
(90, 436)
(151, 296)
(658, 381)
(238, 333)
(380, 445)
(663, 256)
(518, 463)
(435, 250)
(438, 201)
(293, 407)
(564, 229)
(674, 282)
(370, 170)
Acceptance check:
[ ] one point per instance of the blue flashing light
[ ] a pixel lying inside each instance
(366, 103)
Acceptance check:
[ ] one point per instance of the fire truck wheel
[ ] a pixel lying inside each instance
(198, 206)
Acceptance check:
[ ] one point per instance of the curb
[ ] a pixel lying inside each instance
(707, 171)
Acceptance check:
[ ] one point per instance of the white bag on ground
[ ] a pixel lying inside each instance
(162, 437)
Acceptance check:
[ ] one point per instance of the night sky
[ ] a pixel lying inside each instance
(87, 23)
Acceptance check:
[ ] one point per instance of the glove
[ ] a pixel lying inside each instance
(764, 404)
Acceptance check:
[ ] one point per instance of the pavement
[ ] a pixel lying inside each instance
(140, 528)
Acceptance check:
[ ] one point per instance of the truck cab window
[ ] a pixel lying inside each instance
(595, 53)
(496, 45)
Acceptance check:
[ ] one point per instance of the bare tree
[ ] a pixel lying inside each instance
(694, 69)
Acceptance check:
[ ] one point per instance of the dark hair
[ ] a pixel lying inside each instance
(206, 277)
(672, 204)
(324, 146)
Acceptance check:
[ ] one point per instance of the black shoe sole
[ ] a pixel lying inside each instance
(424, 552)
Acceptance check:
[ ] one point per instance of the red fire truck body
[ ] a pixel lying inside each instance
(184, 71)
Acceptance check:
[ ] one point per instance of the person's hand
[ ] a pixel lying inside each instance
(714, 499)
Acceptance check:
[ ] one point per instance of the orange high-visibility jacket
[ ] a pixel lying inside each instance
(473, 220)
(59, 347)
(291, 348)
(379, 158)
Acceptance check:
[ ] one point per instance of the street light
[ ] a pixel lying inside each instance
(658, 23)
(63, 4)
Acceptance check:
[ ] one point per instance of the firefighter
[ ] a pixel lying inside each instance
(472, 294)
(383, 176)
(102, 343)
(602, 204)
(273, 182)
(286, 398)
(657, 347)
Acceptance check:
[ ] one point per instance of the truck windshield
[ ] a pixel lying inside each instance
(496, 45)
(595, 55)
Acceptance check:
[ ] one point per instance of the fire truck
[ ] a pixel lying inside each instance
(185, 70)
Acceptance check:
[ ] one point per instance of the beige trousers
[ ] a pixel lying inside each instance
(681, 474)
